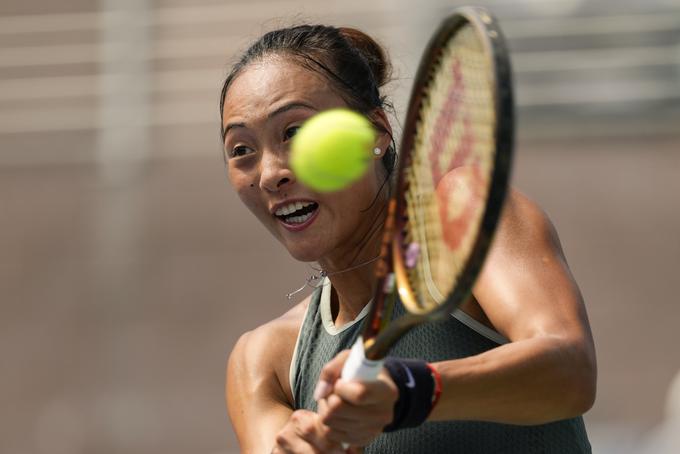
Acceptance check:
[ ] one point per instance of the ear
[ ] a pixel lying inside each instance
(384, 131)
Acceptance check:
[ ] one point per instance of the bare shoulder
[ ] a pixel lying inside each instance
(526, 247)
(525, 240)
(260, 359)
(257, 390)
(524, 225)
(526, 286)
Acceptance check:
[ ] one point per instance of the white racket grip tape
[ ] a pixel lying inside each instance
(357, 367)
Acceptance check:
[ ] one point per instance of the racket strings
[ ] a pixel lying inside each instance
(451, 164)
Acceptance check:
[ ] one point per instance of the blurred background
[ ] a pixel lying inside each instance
(128, 268)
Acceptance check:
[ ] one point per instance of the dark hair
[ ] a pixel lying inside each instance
(355, 65)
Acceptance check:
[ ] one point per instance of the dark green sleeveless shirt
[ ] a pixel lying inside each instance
(457, 337)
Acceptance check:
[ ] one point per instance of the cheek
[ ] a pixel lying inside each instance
(241, 178)
(348, 205)
(244, 185)
(363, 193)
(250, 198)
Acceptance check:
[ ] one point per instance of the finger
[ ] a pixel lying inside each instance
(383, 392)
(355, 425)
(309, 428)
(343, 429)
(334, 409)
(288, 443)
(329, 375)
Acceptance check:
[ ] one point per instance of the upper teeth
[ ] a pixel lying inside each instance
(291, 207)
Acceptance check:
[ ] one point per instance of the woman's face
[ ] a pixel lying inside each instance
(263, 108)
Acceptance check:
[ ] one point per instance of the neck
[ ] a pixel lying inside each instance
(351, 292)
(353, 283)
(350, 268)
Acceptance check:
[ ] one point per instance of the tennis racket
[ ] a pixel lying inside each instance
(452, 179)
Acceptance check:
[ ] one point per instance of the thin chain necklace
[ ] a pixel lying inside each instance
(315, 280)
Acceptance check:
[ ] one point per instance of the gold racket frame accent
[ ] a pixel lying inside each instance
(406, 294)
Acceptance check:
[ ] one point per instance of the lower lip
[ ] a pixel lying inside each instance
(299, 227)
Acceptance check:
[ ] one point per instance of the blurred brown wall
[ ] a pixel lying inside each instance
(124, 283)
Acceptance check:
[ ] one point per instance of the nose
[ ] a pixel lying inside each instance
(275, 174)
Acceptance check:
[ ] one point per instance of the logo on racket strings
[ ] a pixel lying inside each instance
(455, 173)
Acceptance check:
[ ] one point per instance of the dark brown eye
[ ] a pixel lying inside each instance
(290, 132)
(240, 150)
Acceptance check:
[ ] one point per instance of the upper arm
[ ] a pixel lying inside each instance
(257, 405)
(526, 288)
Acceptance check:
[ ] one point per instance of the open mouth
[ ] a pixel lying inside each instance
(296, 213)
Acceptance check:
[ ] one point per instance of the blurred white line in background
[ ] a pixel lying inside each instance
(42, 23)
(615, 92)
(48, 119)
(208, 79)
(123, 145)
(67, 54)
(203, 109)
(254, 11)
(58, 87)
(600, 25)
(556, 60)
(155, 93)
(44, 119)
(595, 59)
(63, 54)
(124, 83)
(231, 13)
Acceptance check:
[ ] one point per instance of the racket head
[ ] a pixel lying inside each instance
(454, 167)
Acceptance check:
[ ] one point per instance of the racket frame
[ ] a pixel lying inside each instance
(390, 270)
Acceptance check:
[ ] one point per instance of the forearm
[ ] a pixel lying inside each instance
(531, 381)
(256, 430)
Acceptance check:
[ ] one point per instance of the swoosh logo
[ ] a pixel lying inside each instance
(411, 383)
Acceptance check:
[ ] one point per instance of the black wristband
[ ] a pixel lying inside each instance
(416, 388)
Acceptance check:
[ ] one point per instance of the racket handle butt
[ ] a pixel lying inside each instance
(357, 367)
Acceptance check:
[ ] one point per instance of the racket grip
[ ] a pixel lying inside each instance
(357, 367)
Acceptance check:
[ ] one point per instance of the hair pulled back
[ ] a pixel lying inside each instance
(354, 64)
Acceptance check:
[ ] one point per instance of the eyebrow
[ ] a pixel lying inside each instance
(280, 110)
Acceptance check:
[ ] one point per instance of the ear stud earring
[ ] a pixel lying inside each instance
(377, 151)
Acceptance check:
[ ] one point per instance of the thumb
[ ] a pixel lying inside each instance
(329, 375)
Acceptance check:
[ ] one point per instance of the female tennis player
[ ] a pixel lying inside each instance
(511, 371)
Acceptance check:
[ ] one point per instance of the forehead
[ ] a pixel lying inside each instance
(276, 80)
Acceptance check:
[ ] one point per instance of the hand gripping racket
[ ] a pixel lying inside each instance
(453, 175)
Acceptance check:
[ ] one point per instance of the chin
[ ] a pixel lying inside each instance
(303, 250)
(308, 249)
(303, 254)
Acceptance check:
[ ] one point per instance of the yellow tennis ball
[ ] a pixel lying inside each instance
(332, 149)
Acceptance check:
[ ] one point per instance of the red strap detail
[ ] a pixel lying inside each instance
(437, 385)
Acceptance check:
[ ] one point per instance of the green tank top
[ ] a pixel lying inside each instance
(456, 337)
